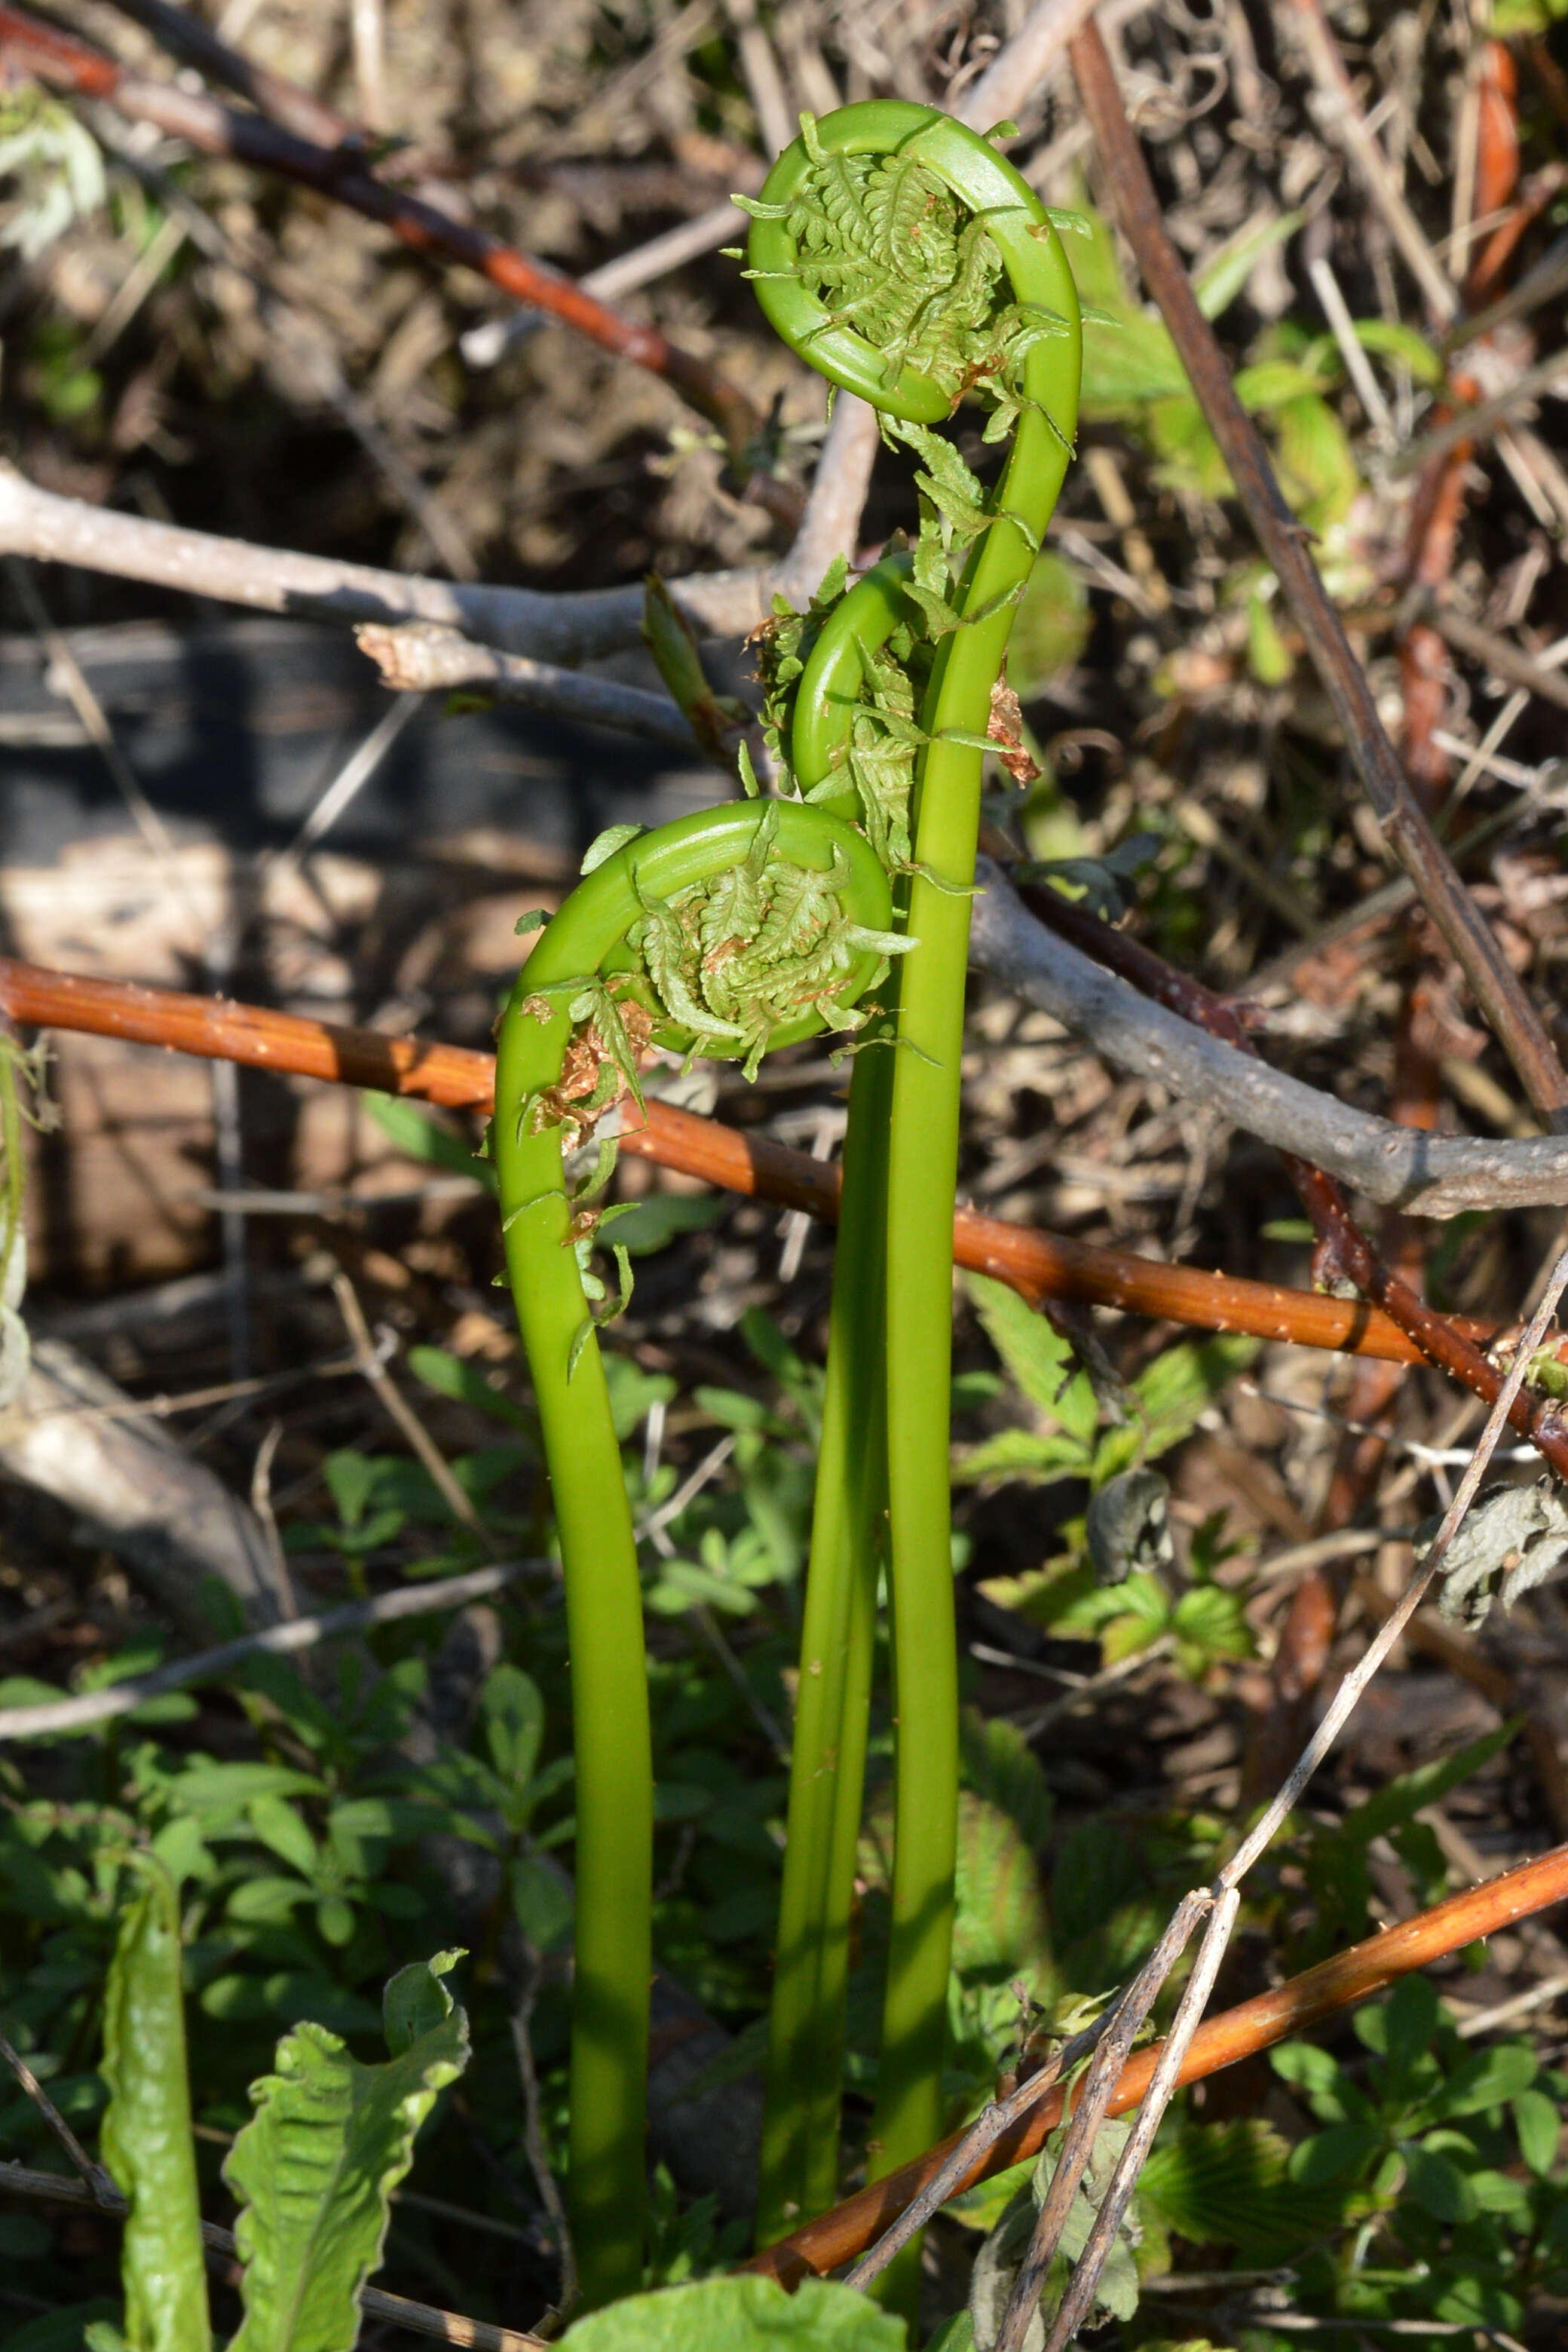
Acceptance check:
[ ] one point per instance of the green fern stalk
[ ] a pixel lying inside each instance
(728, 932)
(883, 245)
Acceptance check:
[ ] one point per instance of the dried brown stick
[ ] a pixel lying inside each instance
(1497, 654)
(1507, 1007)
(213, 128)
(1038, 1265)
(420, 2319)
(1079, 2300)
(1303, 2002)
(100, 2182)
(1090, 2110)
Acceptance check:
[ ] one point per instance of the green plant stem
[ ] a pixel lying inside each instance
(614, 1855)
(922, 1178)
(799, 2174)
(604, 1603)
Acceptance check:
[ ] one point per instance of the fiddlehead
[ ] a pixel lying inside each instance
(726, 933)
(905, 260)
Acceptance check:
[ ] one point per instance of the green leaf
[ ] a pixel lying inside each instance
(1343, 2148)
(1218, 283)
(514, 1713)
(661, 1218)
(1540, 2127)
(1051, 626)
(279, 1826)
(465, 1383)
(314, 2170)
(1000, 1765)
(415, 2002)
(1180, 1384)
(633, 1392)
(1485, 2078)
(1039, 1359)
(541, 1899)
(146, 2133)
(1000, 1925)
(1399, 1798)
(420, 1135)
(1229, 2185)
(1021, 1453)
(740, 2315)
(1438, 2187)
(1394, 340)
(1209, 1622)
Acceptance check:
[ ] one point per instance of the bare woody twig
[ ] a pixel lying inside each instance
(194, 43)
(1038, 1265)
(1517, 1026)
(420, 2319)
(1499, 655)
(1343, 1253)
(1078, 2302)
(1089, 2113)
(1294, 2007)
(216, 129)
(419, 655)
(568, 628)
(1224, 1896)
(1427, 1175)
(98, 2181)
(88, 1709)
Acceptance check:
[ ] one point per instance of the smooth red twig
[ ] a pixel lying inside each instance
(67, 64)
(1038, 1265)
(1291, 2008)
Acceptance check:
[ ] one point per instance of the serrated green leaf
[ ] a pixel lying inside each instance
(314, 2170)
(1180, 1384)
(1335, 2154)
(1000, 1765)
(1000, 1925)
(1229, 2185)
(740, 2315)
(1021, 1453)
(1039, 1359)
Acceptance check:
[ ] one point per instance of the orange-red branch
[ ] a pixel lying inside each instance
(1039, 1266)
(1291, 2008)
